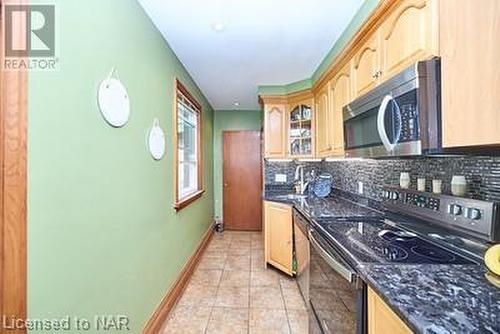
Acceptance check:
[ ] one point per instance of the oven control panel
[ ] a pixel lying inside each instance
(479, 218)
(423, 201)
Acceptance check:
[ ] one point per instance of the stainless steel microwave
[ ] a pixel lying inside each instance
(400, 117)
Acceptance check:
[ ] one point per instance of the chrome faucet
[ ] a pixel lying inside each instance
(299, 178)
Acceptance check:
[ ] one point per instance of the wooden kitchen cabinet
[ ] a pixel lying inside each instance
(275, 133)
(300, 130)
(289, 125)
(278, 246)
(340, 92)
(324, 123)
(381, 319)
(407, 35)
(399, 33)
(470, 75)
(366, 65)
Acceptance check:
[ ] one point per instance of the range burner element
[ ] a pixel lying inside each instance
(395, 253)
(376, 241)
(389, 235)
(433, 253)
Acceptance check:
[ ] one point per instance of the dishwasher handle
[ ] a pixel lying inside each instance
(343, 271)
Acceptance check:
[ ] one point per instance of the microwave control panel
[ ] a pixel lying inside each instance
(407, 104)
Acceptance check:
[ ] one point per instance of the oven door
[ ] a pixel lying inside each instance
(337, 296)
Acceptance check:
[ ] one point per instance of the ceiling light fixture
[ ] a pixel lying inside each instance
(218, 26)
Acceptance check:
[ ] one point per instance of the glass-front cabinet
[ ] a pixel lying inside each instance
(300, 138)
(289, 126)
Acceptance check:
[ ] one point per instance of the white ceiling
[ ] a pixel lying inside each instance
(265, 42)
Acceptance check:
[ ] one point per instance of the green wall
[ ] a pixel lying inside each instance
(102, 235)
(229, 120)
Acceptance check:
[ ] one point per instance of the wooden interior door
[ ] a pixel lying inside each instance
(242, 180)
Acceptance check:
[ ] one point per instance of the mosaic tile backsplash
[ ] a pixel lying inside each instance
(482, 174)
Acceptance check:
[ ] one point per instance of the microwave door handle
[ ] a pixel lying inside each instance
(380, 123)
(334, 264)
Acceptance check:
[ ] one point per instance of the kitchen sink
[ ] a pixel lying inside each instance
(291, 197)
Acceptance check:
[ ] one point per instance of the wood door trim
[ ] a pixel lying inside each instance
(224, 165)
(13, 186)
(168, 302)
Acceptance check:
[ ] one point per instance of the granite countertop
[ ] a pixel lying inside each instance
(438, 298)
(317, 208)
(430, 298)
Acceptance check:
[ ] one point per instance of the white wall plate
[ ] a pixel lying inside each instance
(114, 102)
(156, 141)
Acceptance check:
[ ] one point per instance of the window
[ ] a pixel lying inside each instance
(187, 138)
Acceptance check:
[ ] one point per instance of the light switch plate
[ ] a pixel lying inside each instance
(280, 178)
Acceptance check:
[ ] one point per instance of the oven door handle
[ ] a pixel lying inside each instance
(346, 273)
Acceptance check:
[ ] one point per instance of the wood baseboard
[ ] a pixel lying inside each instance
(158, 318)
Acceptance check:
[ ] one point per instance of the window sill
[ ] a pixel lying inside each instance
(188, 200)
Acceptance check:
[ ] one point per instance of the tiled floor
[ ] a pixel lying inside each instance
(232, 291)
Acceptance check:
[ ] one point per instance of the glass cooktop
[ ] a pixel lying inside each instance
(376, 241)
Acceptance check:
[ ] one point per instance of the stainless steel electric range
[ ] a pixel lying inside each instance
(416, 228)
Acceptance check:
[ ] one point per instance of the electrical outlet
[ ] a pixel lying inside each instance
(360, 188)
(280, 178)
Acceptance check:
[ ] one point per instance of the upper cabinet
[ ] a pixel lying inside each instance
(470, 75)
(275, 133)
(323, 123)
(330, 101)
(300, 131)
(398, 34)
(409, 34)
(340, 92)
(366, 65)
(289, 126)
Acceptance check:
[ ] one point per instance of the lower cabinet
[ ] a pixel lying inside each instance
(278, 235)
(381, 319)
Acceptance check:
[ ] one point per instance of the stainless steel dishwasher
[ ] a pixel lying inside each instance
(302, 252)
